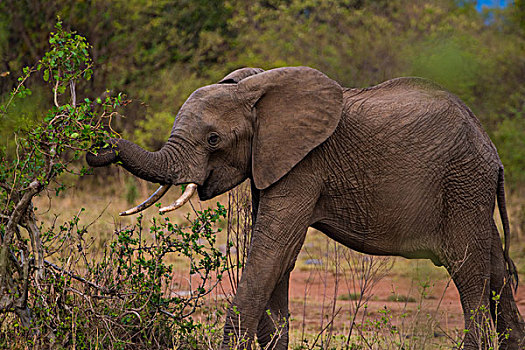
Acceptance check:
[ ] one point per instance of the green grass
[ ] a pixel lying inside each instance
(401, 299)
(349, 296)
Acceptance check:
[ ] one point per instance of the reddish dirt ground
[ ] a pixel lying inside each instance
(441, 301)
(437, 312)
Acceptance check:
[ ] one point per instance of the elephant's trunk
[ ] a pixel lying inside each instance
(151, 166)
(104, 156)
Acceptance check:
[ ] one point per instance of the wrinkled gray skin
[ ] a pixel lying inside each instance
(402, 168)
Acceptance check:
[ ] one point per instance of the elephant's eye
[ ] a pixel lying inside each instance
(213, 139)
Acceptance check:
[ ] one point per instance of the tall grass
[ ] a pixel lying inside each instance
(411, 315)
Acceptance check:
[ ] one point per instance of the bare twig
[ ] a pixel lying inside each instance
(55, 94)
(329, 324)
(15, 91)
(73, 93)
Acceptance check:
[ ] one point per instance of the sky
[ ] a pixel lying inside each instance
(492, 3)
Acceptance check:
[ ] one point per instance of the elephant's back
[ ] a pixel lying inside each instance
(417, 116)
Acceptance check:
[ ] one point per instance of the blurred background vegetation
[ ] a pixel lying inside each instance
(158, 52)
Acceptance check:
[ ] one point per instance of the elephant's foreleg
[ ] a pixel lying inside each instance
(272, 332)
(282, 221)
(265, 267)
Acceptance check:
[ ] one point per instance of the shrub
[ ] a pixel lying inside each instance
(54, 291)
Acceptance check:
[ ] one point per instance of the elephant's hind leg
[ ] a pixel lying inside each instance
(467, 259)
(506, 317)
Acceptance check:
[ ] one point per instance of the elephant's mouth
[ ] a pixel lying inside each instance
(161, 191)
(204, 189)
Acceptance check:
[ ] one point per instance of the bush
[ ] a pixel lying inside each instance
(510, 140)
(55, 292)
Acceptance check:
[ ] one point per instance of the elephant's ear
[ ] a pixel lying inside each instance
(296, 109)
(239, 74)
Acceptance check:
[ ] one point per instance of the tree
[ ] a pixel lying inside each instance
(42, 153)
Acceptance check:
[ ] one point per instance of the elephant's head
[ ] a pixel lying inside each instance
(253, 123)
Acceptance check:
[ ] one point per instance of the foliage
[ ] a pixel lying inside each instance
(160, 51)
(129, 297)
(510, 138)
(42, 153)
(53, 291)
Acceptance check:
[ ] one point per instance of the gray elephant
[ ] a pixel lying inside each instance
(402, 168)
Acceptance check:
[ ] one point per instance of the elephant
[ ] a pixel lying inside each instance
(403, 168)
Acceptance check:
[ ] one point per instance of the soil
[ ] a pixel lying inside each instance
(406, 300)
(402, 303)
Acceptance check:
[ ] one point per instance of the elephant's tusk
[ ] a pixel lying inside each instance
(185, 197)
(148, 202)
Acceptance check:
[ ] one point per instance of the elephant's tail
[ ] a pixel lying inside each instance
(511, 268)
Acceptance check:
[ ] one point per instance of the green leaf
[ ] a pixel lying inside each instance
(87, 74)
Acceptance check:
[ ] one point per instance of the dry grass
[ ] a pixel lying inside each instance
(413, 304)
